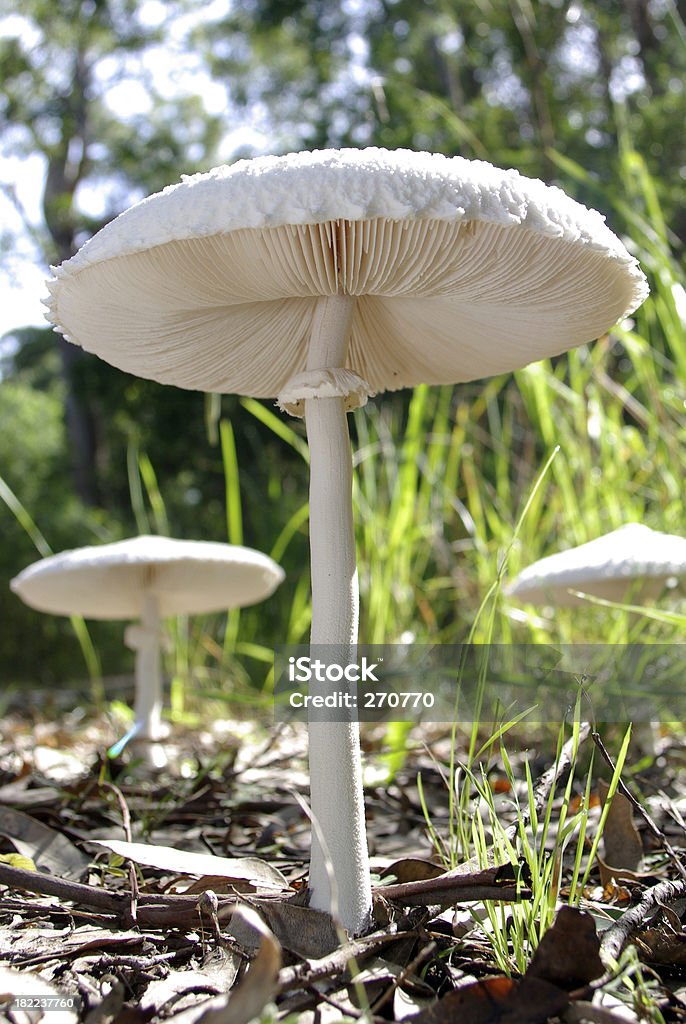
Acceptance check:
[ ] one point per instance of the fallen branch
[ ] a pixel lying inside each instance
(446, 890)
(548, 780)
(183, 911)
(333, 963)
(153, 911)
(618, 935)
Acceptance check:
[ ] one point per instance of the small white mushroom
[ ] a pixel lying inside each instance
(631, 563)
(321, 278)
(149, 579)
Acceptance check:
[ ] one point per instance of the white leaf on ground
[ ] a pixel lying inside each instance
(168, 858)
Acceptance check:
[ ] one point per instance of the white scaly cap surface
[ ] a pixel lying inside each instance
(634, 557)
(461, 270)
(110, 581)
(348, 184)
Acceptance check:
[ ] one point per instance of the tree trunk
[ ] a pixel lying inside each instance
(66, 166)
(80, 426)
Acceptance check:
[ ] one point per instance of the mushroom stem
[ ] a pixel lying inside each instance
(339, 878)
(148, 699)
(335, 594)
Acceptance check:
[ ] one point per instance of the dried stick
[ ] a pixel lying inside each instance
(455, 888)
(316, 970)
(128, 836)
(153, 911)
(548, 779)
(619, 934)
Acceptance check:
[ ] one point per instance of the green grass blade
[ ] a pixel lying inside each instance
(24, 519)
(232, 486)
(278, 426)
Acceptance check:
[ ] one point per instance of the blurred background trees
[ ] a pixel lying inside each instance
(105, 101)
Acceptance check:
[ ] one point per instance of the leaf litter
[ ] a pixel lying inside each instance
(127, 897)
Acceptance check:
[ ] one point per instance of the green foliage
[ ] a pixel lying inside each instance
(23, 409)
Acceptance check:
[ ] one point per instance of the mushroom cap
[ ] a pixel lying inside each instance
(632, 562)
(461, 271)
(111, 581)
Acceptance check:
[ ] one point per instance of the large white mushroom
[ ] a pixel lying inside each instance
(149, 579)
(631, 563)
(319, 278)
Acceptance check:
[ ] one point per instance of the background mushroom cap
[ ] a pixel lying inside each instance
(462, 271)
(632, 562)
(110, 581)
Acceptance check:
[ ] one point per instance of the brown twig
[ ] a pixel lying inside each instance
(454, 888)
(153, 910)
(336, 1004)
(128, 836)
(619, 934)
(549, 778)
(305, 974)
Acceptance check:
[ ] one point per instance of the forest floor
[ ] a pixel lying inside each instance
(89, 934)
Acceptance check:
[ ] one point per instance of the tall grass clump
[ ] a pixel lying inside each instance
(548, 840)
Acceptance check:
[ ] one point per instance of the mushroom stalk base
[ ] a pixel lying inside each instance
(339, 878)
(148, 700)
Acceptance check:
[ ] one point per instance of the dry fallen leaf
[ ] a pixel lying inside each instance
(302, 930)
(411, 869)
(663, 945)
(15, 984)
(69, 942)
(623, 849)
(258, 987)
(49, 850)
(214, 976)
(16, 860)
(495, 1000)
(568, 955)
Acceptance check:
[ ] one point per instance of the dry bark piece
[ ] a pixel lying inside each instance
(403, 268)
